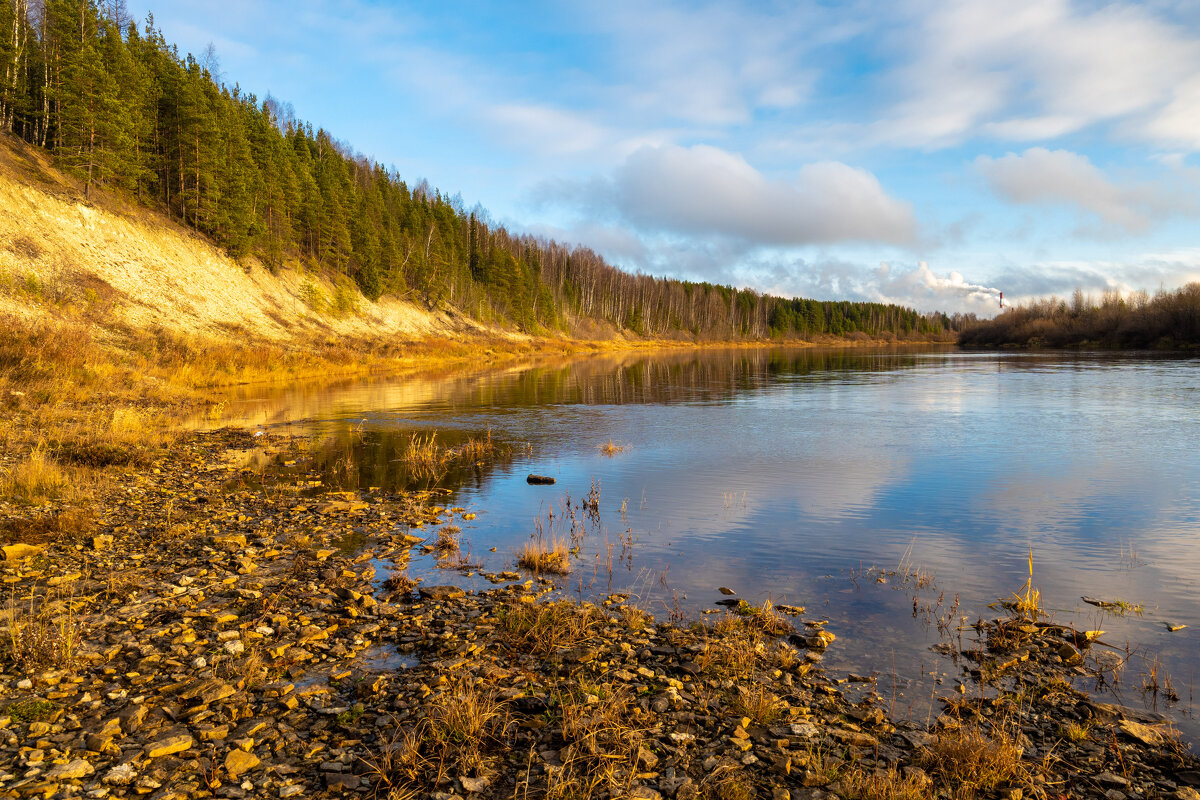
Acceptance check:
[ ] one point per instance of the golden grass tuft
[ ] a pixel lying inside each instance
(858, 784)
(46, 635)
(428, 458)
(539, 558)
(760, 705)
(764, 617)
(424, 456)
(602, 743)
(34, 478)
(611, 448)
(971, 761)
(545, 628)
(68, 524)
(731, 648)
(463, 721)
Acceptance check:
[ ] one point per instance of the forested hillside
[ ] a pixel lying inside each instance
(122, 110)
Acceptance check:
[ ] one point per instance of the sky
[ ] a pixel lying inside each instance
(931, 153)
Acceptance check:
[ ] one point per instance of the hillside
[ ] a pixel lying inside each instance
(136, 267)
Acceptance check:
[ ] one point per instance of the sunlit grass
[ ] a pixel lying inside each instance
(36, 477)
(538, 557)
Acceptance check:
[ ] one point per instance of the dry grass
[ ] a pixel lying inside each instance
(602, 742)
(760, 705)
(635, 618)
(69, 524)
(1074, 732)
(545, 628)
(611, 448)
(463, 721)
(858, 784)
(727, 785)
(44, 635)
(731, 648)
(423, 456)
(477, 451)
(969, 761)
(447, 539)
(1027, 601)
(539, 558)
(396, 763)
(765, 618)
(35, 478)
(427, 458)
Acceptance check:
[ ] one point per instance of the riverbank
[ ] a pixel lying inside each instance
(196, 632)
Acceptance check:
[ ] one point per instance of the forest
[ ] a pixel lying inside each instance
(119, 108)
(1167, 320)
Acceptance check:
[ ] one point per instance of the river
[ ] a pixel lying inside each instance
(895, 492)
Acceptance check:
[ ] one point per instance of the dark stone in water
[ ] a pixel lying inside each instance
(539, 480)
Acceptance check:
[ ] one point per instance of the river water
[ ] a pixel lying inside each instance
(887, 491)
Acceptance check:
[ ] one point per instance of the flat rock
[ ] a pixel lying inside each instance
(441, 592)
(72, 770)
(169, 746)
(15, 552)
(239, 761)
(1143, 733)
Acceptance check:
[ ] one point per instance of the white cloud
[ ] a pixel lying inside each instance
(709, 64)
(1143, 272)
(1061, 177)
(914, 285)
(1036, 69)
(545, 129)
(707, 191)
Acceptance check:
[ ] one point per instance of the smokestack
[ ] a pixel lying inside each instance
(1002, 299)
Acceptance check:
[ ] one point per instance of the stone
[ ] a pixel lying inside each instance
(102, 542)
(475, 785)
(441, 592)
(1069, 654)
(16, 552)
(121, 775)
(341, 780)
(72, 770)
(169, 745)
(1143, 733)
(239, 761)
(643, 793)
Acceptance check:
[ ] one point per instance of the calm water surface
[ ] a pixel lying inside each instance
(790, 474)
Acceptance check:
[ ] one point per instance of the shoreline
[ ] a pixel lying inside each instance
(193, 635)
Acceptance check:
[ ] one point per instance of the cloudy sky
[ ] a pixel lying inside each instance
(927, 152)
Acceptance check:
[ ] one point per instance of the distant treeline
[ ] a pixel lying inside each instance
(1168, 319)
(120, 109)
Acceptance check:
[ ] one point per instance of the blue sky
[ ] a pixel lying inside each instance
(926, 152)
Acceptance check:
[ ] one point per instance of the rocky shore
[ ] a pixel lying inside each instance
(199, 634)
